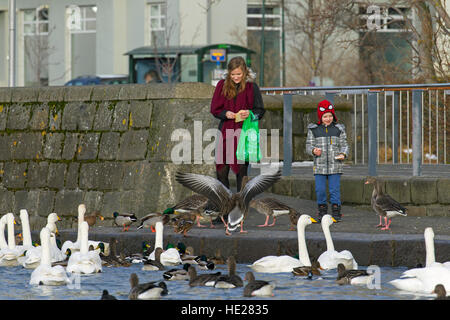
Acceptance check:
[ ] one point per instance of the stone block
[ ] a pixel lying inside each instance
(112, 202)
(188, 90)
(6, 201)
(132, 201)
(132, 175)
(53, 145)
(303, 188)
(140, 114)
(3, 115)
(26, 199)
(133, 91)
(93, 201)
(283, 186)
(55, 118)
(5, 95)
(53, 93)
(414, 211)
(78, 93)
(100, 176)
(88, 146)
(25, 94)
(78, 116)
(72, 174)
(443, 187)
(27, 145)
(70, 146)
(103, 116)
(15, 174)
(56, 175)
(352, 189)
(399, 188)
(105, 92)
(46, 202)
(438, 211)
(121, 116)
(37, 174)
(18, 116)
(423, 190)
(67, 202)
(39, 117)
(133, 145)
(109, 146)
(5, 147)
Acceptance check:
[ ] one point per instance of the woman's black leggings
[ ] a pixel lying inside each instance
(222, 175)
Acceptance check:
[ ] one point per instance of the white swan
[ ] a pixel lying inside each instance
(11, 253)
(331, 258)
(285, 263)
(423, 280)
(75, 246)
(84, 261)
(45, 274)
(3, 243)
(169, 257)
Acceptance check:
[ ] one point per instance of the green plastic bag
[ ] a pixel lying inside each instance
(248, 148)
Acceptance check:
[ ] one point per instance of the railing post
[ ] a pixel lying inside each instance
(372, 132)
(287, 134)
(395, 126)
(417, 132)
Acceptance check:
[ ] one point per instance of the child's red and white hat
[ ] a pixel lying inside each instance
(325, 106)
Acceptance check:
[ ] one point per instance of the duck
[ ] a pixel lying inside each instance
(177, 274)
(384, 205)
(285, 263)
(271, 207)
(235, 205)
(193, 207)
(91, 219)
(84, 261)
(424, 280)
(206, 279)
(232, 280)
(352, 276)
(187, 256)
(45, 273)
(107, 296)
(10, 254)
(331, 258)
(124, 220)
(184, 222)
(113, 259)
(439, 290)
(146, 291)
(308, 271)
(152, 265)
(149, 220)
(217, 259)
(257, 288)
(169, 257)
(140, 257)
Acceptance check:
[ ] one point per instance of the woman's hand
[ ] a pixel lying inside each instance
(244, 114)
(230, 115)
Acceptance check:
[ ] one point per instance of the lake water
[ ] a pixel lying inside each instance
(15, 286)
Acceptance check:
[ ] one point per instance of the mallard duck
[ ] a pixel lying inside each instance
(177, 274)
(113, 259)
(204, 264)
(307, 271)
(184, 222)
(140, 257)
(145, 291)
(271, 207)
(124, 220)
(232, 280)
(152, 265)
(64, 262)
(217, 258)
(257, 287)
(91, 218)
(439, 290)
(384, 204)
(149, 220)
(107, 296)
(235, 205)
(206, 279)
(170, 256)
(352, 276)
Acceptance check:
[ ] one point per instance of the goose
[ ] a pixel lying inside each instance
(45, 274)
(232, 280)
(307, 271)
(271, 207)
(235, 205)
(84, 261)
(384, 204)
(439, 290)
(187, 256)
(257, 288)
(152, 265)
(11, 253)
(423, 280)
(206, 279)
(353, 277)
(285, 263)
(217, 258)
(169, 257)
(331, 258)
(177, 274)
(107, 296)
(124, 220)
(91, 218)
(149, 220)
(146, 291)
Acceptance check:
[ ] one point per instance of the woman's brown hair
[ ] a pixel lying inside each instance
(229, 89)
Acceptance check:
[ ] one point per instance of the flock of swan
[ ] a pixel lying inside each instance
(52, 265)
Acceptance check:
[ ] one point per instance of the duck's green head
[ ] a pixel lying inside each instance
(35, 244)
(145, 246)
(101, 246)
(170, 245)
(169, 211)
(181, 247)
(115, 214)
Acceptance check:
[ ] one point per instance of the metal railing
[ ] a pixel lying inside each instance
(384, 123)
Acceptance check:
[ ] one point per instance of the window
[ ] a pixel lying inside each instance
(82, 19)
(157, 23)
(384, 19)
(35, 21)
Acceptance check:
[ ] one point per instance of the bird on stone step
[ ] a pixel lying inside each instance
(124, 219)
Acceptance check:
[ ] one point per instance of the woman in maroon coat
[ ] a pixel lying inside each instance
(234, 97)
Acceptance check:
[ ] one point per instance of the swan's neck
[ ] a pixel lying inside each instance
(159, 235)
(302, 249)
(45, 258)
(328, 239)
(3, 243)
(84, 248)
(80, 222)
(26, 232)
(11, 237)
(429, 248)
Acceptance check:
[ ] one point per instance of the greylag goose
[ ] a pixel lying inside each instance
(235, 205)
(384, 204)
(145, 291)
(206, 279)
(439, 290)
(352, 276)
(271, 207)
(232, 280)
(124, 220)
(257, 287)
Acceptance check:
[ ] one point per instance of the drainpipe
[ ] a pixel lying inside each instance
(12, 42)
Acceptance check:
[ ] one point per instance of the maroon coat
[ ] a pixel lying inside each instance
(249, 99)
